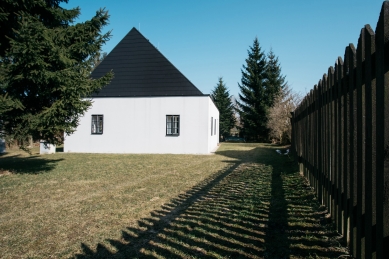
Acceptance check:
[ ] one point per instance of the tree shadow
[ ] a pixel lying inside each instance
(18, 164)
(244, 211)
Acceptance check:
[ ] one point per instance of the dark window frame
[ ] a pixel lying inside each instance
(211, 126)
(172, 125)
(99, 128)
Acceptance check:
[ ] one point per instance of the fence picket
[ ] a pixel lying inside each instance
(339, 133)
(331, 74)
(346, 146)
(319, 141)
(382, 131)
(353, 144)
(369, 40)
(361, 119)
(325, 141)
(329, 139)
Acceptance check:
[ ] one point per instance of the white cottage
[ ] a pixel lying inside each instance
(149, 107)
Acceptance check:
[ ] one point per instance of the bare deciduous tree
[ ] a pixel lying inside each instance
(279, 115)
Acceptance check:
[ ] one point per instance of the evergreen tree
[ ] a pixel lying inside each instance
(253, 103)
(45, 66)
(222, 100)
(275, 80)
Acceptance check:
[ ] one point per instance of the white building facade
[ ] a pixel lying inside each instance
(173, 125)
(148, 107)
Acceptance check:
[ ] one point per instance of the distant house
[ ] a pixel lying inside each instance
(149, 107)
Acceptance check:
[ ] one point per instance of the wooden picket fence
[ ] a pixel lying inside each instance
(340, 136)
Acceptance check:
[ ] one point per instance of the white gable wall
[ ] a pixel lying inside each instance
(138, 125)
(213, 139)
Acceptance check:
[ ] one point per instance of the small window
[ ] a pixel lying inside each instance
(214, 128)
(172, 125)
(211, 126)
(97, 124)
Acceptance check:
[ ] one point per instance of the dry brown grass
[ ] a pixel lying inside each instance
(162, 206)
(51, 204)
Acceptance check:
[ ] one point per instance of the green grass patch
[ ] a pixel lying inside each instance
(245, 201)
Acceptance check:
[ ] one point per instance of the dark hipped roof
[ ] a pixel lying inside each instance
(141, 70)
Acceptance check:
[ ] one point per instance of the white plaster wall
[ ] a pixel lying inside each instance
(214, 113)
(138, 125)
(45, 148)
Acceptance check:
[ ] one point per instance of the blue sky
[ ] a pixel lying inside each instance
(206, 40)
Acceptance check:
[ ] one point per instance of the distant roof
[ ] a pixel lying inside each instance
(141, 70)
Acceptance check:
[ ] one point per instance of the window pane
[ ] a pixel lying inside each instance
(94, 126)
(100, 124)
(176, 124)
(168, 125)
(97, 124)
(211, 125)
(172, 124)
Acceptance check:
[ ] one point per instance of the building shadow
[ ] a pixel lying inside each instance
(256, 208)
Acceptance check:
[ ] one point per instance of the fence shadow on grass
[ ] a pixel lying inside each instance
(18, 164)
(250, 210)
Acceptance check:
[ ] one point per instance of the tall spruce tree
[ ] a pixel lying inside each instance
(222, 100)
(253, 104)
(275, 80)
(45, 66)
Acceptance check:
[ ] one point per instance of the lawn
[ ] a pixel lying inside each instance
(244, 201)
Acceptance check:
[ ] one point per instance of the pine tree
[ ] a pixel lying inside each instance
(253, 104)
(275, 80)
(45, 66)
(222, 100)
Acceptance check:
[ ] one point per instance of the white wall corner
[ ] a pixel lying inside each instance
(45, 148)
